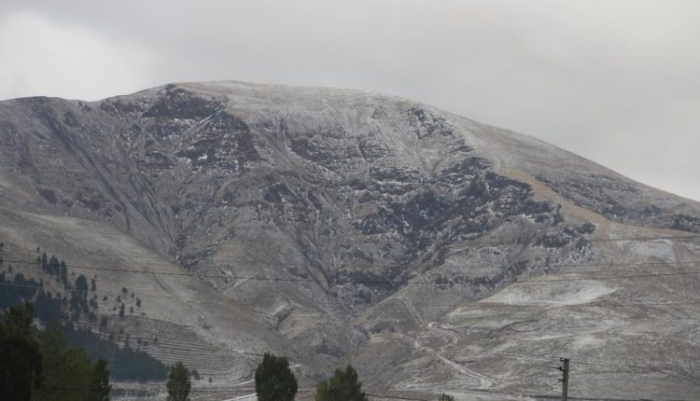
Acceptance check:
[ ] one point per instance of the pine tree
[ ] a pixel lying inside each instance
(82, 286)
(99, 381)
(322, 391)
(54, 266)
(343, 386)
(64, 273)
(179, 383)
(65, 369)
(20, 356)
(274, 380)
(445, 397)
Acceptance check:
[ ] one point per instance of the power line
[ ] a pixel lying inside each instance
(160, 235)
(554, 329)
(38, 287)
(485, 304)
(383, 282)
(580, 361)
(396, 301)
(610, 277)
(345, 280)
(395, 397)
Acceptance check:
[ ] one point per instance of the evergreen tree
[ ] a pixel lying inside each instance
(82, 286)
(54, 267)
(445, 397)
(274, 380)
(48, 308)
(321, 391)
(64, 273)
(179, 383)
(99, 381)
(64, 369)
(20, 356)
(121, 311)
(343, 386)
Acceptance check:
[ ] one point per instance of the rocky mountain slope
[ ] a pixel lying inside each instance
(433, 252)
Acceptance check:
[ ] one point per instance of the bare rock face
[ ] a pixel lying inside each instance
(355, 226)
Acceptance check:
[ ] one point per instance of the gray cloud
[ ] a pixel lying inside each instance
(613, 81)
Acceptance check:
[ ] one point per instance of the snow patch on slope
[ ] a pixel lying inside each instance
(662, 250)
(556, 293)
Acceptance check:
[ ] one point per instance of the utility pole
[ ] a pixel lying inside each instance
(565, 379)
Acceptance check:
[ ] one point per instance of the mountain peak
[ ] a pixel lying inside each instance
(336, 219)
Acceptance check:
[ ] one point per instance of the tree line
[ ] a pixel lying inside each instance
(64, 311)
(37, 365)
(275, 381)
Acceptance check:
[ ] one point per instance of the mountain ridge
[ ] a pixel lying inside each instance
(346, 226)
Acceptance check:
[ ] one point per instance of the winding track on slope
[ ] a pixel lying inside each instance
(484, 381)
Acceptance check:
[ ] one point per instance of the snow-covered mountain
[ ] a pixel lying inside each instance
(435, 253)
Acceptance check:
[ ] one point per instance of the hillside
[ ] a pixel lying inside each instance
(434, 252)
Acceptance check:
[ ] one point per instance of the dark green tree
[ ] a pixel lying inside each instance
(179, 383)
(99, 381)
(343, 386)
(54, 267)
(321, 391)
(20, 356)
(81, 285)
(65, 369)
(64, 273)
(274, 380)
(445, 397)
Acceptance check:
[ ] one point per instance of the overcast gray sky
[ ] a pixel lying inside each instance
(615, 81)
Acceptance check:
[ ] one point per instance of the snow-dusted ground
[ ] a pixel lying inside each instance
(435, 253)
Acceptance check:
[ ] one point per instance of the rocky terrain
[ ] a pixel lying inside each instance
(435, 253)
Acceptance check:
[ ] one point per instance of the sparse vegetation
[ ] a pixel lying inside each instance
(65, 312)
